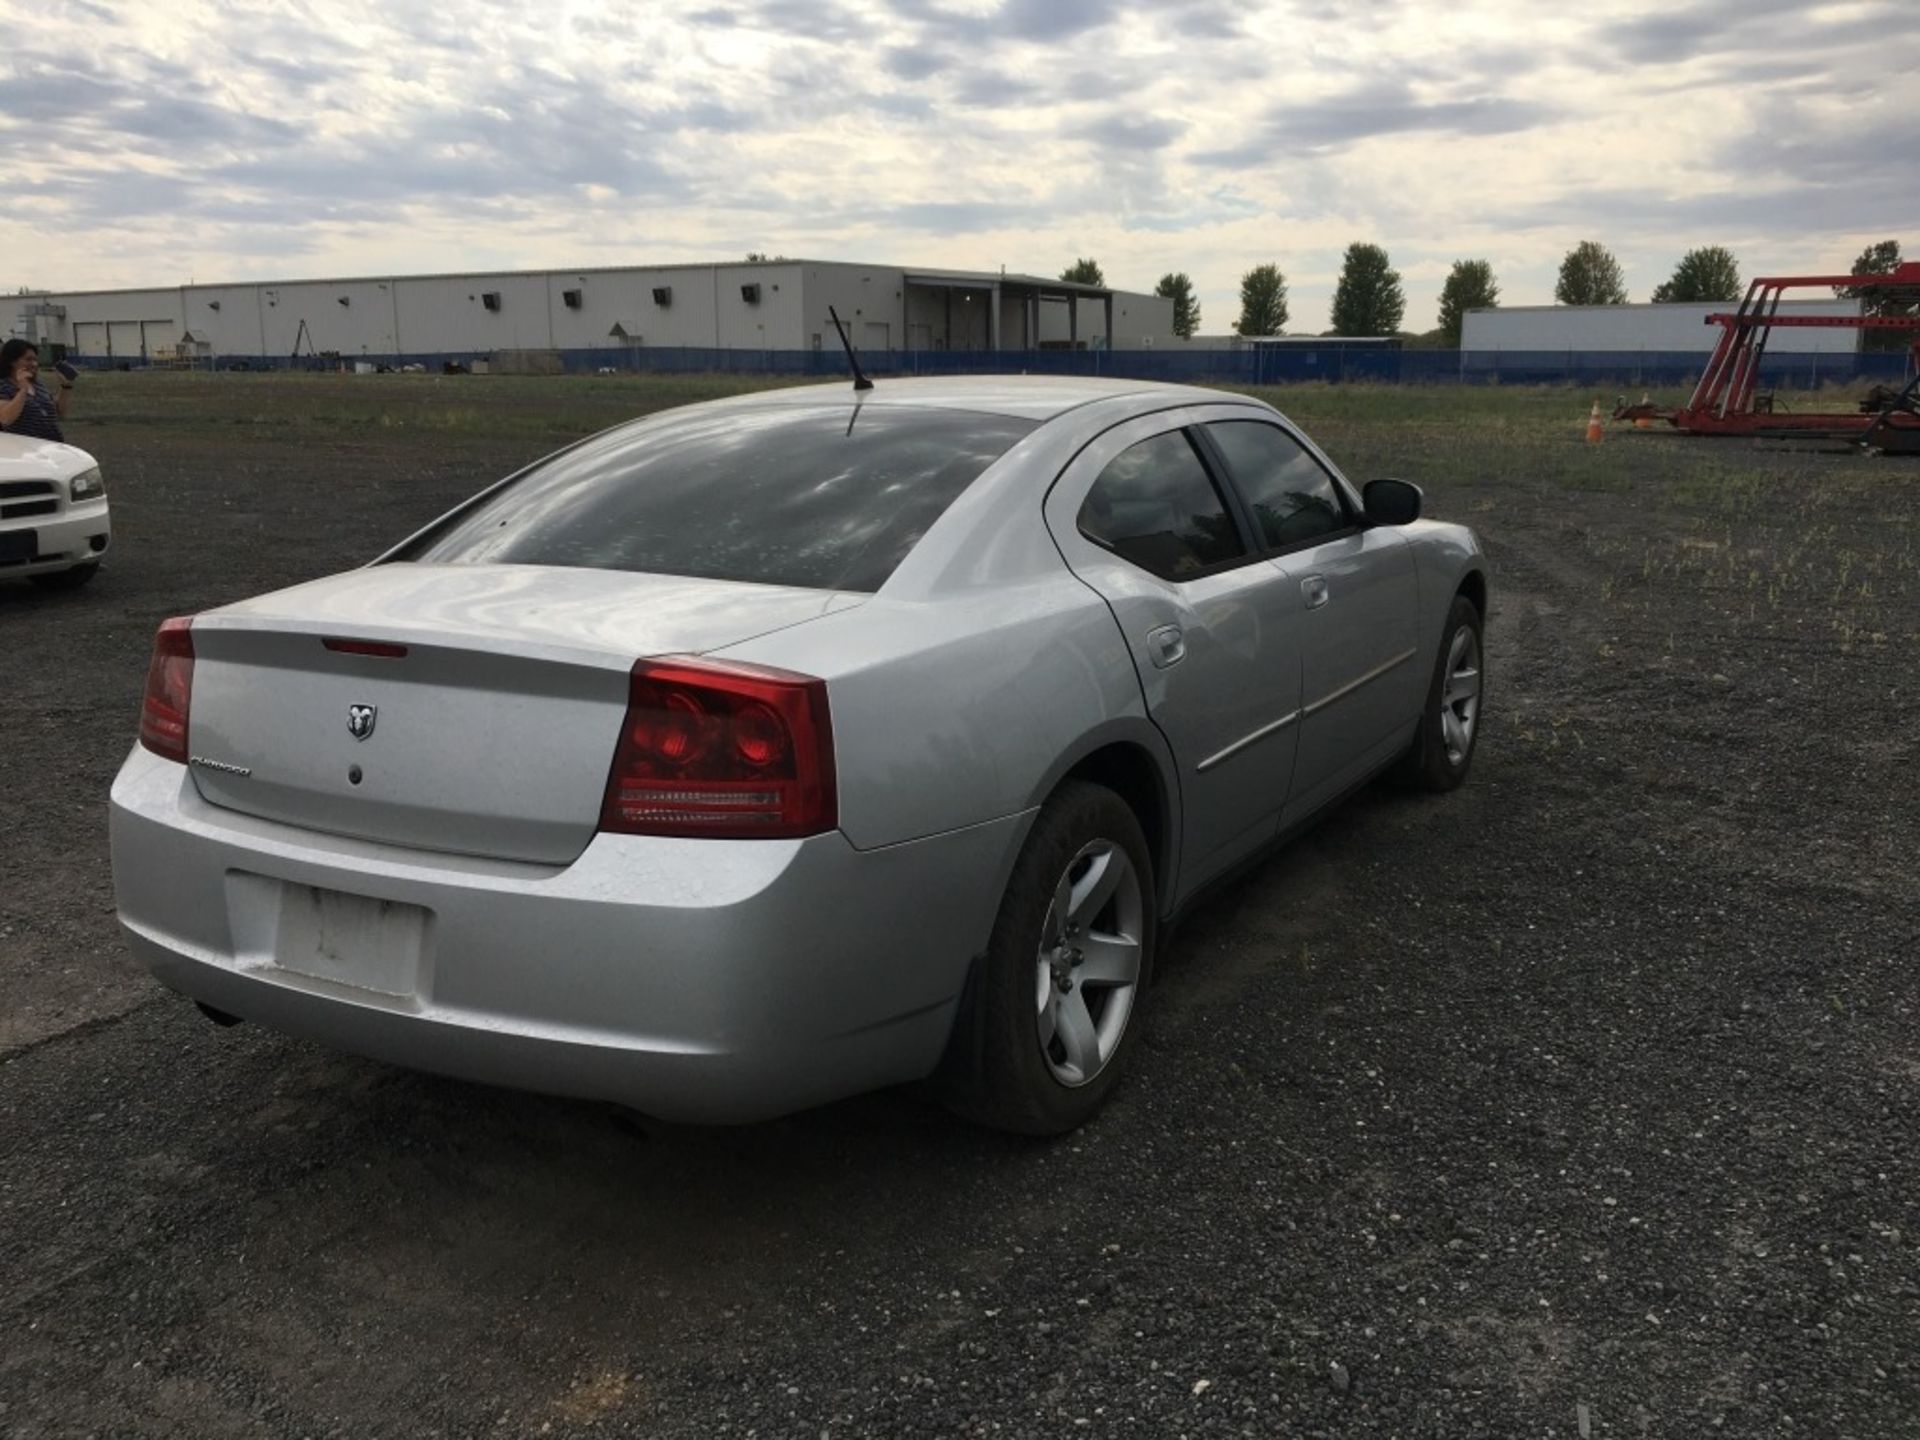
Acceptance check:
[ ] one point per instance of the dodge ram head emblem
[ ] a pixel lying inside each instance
(360, 720)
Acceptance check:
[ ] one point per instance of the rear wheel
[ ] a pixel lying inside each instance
(71, 579)
(1052, 1015)
(1442, 749)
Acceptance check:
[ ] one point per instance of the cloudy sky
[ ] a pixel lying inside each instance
(154, 142)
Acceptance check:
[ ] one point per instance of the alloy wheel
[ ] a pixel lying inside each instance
(1087, 969)
(1460, 695)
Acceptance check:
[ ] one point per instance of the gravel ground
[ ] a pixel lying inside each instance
(1579, 1103)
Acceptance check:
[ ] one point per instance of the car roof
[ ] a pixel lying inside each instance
(1027, 397)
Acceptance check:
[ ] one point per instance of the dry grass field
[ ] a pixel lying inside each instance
(1578, 1103)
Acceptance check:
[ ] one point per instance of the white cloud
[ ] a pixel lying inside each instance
(146, 143)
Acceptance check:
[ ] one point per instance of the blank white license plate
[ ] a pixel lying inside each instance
(350, 939)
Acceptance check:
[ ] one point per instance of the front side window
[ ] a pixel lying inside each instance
(1156, 506)
(1292, 496)
(785, 495)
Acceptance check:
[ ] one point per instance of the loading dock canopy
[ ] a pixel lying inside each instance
(1001, 292)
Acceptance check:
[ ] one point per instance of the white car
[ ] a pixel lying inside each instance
(53, 513)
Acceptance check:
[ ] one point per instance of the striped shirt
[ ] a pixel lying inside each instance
(39, 419)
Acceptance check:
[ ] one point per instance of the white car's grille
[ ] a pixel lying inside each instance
(20, 499)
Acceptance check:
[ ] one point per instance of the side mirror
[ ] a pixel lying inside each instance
(1391, 502)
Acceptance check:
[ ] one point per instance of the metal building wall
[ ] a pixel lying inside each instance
(354, 317)
(1651, 328)
(684, 315)
(771, 322)
(1139, 321)
(872, 303)
(115, 324)
(746, 306)
(230, 318)
(435, 313)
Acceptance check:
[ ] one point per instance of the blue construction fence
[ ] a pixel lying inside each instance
(1250, 365)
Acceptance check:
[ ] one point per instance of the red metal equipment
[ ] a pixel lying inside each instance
(1724, 402)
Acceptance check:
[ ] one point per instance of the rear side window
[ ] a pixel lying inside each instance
(1156, 505)
(778, 496)
(1292, 496)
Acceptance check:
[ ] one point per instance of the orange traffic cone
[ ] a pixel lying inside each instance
(1596, 428)
(1644, 422)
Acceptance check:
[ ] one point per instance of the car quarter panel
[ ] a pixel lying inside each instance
(952, 713)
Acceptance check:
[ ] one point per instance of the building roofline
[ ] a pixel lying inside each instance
(985, 278)
(383, 278)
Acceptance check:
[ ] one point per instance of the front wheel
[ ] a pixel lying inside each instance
(1052, 1015)
(1442, 748)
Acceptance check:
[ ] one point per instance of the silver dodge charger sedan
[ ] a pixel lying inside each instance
(767, 751)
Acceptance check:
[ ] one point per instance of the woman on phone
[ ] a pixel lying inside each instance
(26, 406)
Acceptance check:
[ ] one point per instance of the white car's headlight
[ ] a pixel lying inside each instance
(87, 485)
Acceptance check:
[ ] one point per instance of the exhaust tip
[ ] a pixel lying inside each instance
(218, 1017)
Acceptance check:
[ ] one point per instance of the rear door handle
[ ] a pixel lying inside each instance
(1314, 590)
(1166, 646)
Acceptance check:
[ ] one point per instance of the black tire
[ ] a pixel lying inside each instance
(997, 1073)
(71, 579)
(1429, 763)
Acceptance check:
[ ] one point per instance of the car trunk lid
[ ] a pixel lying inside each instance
(462, 708)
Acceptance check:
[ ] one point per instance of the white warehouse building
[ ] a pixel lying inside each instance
(1650, 329)
(778, 305)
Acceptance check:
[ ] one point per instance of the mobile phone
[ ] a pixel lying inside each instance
(66, 371)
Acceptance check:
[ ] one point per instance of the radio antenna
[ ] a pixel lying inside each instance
(860, 380)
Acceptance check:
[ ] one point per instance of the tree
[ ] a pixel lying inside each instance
(1881, 258)
(1368, 300)
(1709, 273)
(1176, 286)
(1084, 272)
(1590, 276)
(1263, 301)
(1470, 286)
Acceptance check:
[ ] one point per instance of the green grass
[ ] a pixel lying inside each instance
(1528, 439)
(487, 406)
(295, 406)
(1747, 523)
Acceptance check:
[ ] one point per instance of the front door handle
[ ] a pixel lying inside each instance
(1166, 646)
(1314, 590)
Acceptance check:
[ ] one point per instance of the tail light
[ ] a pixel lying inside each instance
(720, 750)
(163, 713)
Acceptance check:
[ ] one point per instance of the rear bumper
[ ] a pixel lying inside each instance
(75, 535)
(697, 980)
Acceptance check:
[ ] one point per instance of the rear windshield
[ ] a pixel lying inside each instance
(780, 496)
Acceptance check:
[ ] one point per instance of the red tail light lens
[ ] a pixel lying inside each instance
(721, 750)
(163, 713)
